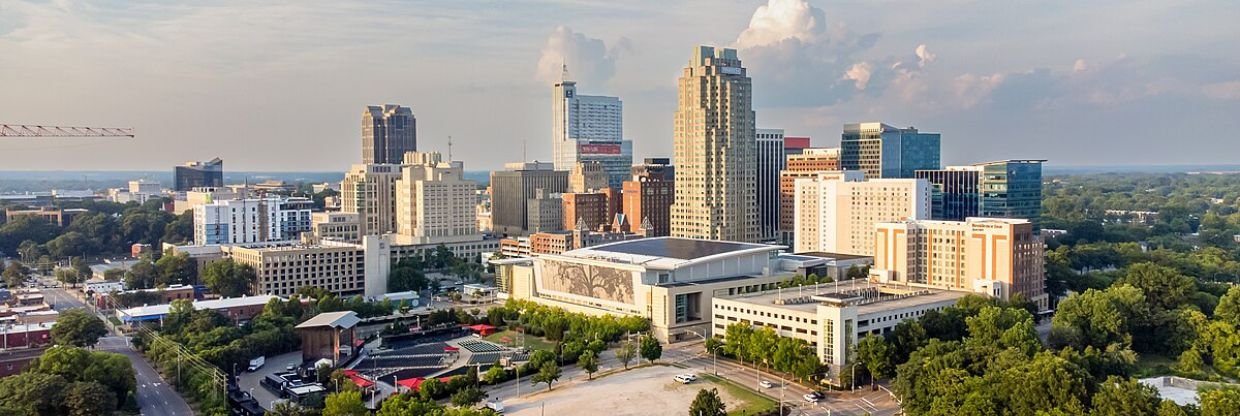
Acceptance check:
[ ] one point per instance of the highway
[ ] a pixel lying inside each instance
(155, 397)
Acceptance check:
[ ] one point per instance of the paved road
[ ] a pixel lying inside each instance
(155, 397)
(250, 381)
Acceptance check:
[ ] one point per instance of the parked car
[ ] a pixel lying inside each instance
(685, 378)
(496, 406)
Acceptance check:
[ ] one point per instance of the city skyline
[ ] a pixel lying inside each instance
(1059, 90)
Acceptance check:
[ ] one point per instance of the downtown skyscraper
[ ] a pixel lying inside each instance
(589, 128)
(715, 147)
(388, 132)
(884, 151)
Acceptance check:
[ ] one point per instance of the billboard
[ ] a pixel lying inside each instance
(598, 149)
(597, 282)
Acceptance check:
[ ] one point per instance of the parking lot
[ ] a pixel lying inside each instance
(249, 381)
(643, 391)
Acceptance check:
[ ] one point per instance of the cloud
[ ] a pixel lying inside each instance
(588, 59)
(924, 56)
(859, 73)
(780, 20)
(1080, 66)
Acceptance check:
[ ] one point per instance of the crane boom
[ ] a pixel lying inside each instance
(21, 130)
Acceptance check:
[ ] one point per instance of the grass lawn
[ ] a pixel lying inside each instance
(533, 342)
(754, 403)
(114, 320)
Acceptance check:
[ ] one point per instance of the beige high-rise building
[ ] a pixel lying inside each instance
(715, 150)
(370, 192)
(587, 176)
(835, 212)
(997, 256)
(434, 202)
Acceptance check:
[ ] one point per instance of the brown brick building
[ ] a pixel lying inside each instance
(649, 196)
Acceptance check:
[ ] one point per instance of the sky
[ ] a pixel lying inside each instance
(280, 86)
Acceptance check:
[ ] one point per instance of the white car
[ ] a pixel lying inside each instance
(812, 397)
(766, 384)
(685, 378)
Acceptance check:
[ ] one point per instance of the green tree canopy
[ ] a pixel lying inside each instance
(651, 350)
(708, 403)
(79, 328)
(344, 403)
(548, 373)
(229, 278)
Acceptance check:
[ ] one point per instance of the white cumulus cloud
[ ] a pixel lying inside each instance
(588, 59)
(781, 20)
(859, 74)
(924, 56)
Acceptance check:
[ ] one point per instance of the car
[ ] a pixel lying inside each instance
(685, 378)
(766, 384)
(812, 397)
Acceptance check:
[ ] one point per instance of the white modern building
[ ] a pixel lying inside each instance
(253, 220)
(589, 128)
(835, 212)
(830, 317)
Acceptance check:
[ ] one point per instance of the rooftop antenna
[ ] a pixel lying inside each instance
(563, 71)
(449, 148)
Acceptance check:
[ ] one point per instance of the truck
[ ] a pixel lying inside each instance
(256, 364)
(496, 406)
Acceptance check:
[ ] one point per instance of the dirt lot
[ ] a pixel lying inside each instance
(644, 391)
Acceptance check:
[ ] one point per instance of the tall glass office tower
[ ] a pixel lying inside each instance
(883, 151)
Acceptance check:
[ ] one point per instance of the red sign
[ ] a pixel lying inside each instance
(598, 149)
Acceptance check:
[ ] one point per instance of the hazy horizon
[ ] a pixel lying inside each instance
(281, 87)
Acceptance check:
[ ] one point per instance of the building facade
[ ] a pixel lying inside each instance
(336, 226)
(544, 212)
(836, 211)
(434, 202)
(198, 174)
(369, 191)
(589, 128)
(1001, 189)
(388, 132)
(807, 163)
(883, 151)
(715, 150)
(513, 187)
(240, 221)
(771, 158)
(668, 280)
(998, 257)
(649, 195)
(831, 318)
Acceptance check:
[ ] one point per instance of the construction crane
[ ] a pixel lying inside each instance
(21, 130)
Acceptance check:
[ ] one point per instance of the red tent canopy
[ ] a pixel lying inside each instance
(410, 383)
(357, 378)
(482, 329)
(449, 348)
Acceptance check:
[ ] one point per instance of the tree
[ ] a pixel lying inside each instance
(89, 399)
(626, 353)
(344, 403)
(287, 408)
(176, 269)
(1222, 401)
(404, 278)
(78, 328)
(650, 348)
(32, 393)
(874, 354)
(494, 374)
(142, 275)
(83, 270)
(1125, 397)
(15, 274)
(708, 403)
(1228, 308)
(432, 389)
(68, 276)
(588, 362)
(1164, 287)
(548, 373)
(468, 396)
(229, 278)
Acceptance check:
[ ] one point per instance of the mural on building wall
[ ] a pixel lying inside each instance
(585, 280)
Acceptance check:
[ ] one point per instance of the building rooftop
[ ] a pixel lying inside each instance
(345, 319)
(676, 248)
(667, 252)
(869, 297)
(834, 256)
(157, 310)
